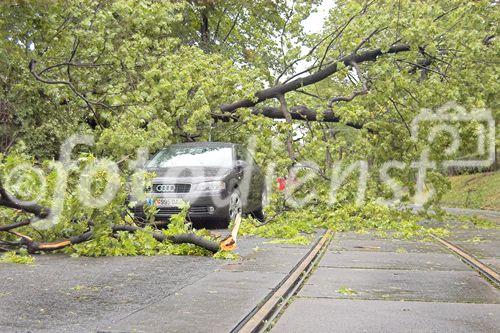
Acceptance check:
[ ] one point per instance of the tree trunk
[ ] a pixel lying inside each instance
(288, 117)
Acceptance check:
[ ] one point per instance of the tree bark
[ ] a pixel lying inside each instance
(15, 225)
(34, 247)
(318, 76)
(6, 200)
(302, 112)
(299, 112)
(190, 238)
(205, 30)
(288, 118)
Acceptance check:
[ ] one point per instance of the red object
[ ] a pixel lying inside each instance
(281, 183)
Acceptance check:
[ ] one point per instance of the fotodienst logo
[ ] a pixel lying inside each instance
(448, 120)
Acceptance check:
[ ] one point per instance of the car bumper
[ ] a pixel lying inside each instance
(205, 205)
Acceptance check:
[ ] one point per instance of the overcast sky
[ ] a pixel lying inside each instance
(314, 23)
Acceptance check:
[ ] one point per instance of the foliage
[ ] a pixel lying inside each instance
(294, 226)
(346, 291)
(227, 255)
(477, 221)
(74, 219)
(133, 244)
(145, 74)
(17, 258)
(140, 242)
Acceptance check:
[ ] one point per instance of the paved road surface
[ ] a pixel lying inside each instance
(394, 286)
(364, 284)
(141, 294)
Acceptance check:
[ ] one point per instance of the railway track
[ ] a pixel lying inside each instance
(261, 317)
(486, 271)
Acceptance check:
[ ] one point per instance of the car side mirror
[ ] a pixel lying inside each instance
(240, 165)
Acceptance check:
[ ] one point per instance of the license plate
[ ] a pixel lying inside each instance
(168, 202)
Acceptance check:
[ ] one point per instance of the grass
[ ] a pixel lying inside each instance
(476, 191)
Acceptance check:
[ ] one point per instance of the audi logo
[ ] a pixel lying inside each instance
(164, 188)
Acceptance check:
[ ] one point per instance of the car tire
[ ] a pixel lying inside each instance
(235, 207)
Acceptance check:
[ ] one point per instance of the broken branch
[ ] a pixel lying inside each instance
(355, 94)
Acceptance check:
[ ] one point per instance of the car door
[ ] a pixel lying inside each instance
(256, 182)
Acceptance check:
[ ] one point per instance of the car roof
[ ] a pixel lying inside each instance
(206, 144)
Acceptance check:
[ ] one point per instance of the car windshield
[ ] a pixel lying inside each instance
(193, 157)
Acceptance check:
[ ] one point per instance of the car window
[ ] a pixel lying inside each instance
(240, 155)
(193, 157)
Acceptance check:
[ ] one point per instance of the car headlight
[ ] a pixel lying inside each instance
(209, 186)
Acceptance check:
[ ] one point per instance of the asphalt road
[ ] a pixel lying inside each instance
(141, 294)
(63, 294)
(362, 284)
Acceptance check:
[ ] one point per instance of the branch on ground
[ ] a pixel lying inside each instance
(32, 246)
(189, 238)
(9, 201)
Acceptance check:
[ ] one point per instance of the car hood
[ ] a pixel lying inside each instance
(189, 175)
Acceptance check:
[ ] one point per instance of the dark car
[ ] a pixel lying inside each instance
(218, 180)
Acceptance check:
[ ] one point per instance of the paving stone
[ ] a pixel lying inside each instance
(493, 263)
(145, 294)
(470, 234)
(356, 236)
(332, 315)
(270, 259)
(215, 303)
(367, 284)
(63, 294)
(431, 286)
(377, 245)
(391, 260)
(479, 250)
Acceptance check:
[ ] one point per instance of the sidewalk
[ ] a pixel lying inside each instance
(364, 284)
(491, 215)
(142, 294)
(221, 299)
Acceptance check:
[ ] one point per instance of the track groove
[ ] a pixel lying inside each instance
(472, 261)
(261, 316)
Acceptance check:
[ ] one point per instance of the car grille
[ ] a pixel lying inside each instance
(174, 210)
(170, 188)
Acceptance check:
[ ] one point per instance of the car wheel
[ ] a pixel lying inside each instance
(235, 205)
(235, 208)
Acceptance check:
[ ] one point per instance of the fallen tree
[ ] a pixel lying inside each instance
(122, 79)
(228, 243)
(299, 112)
